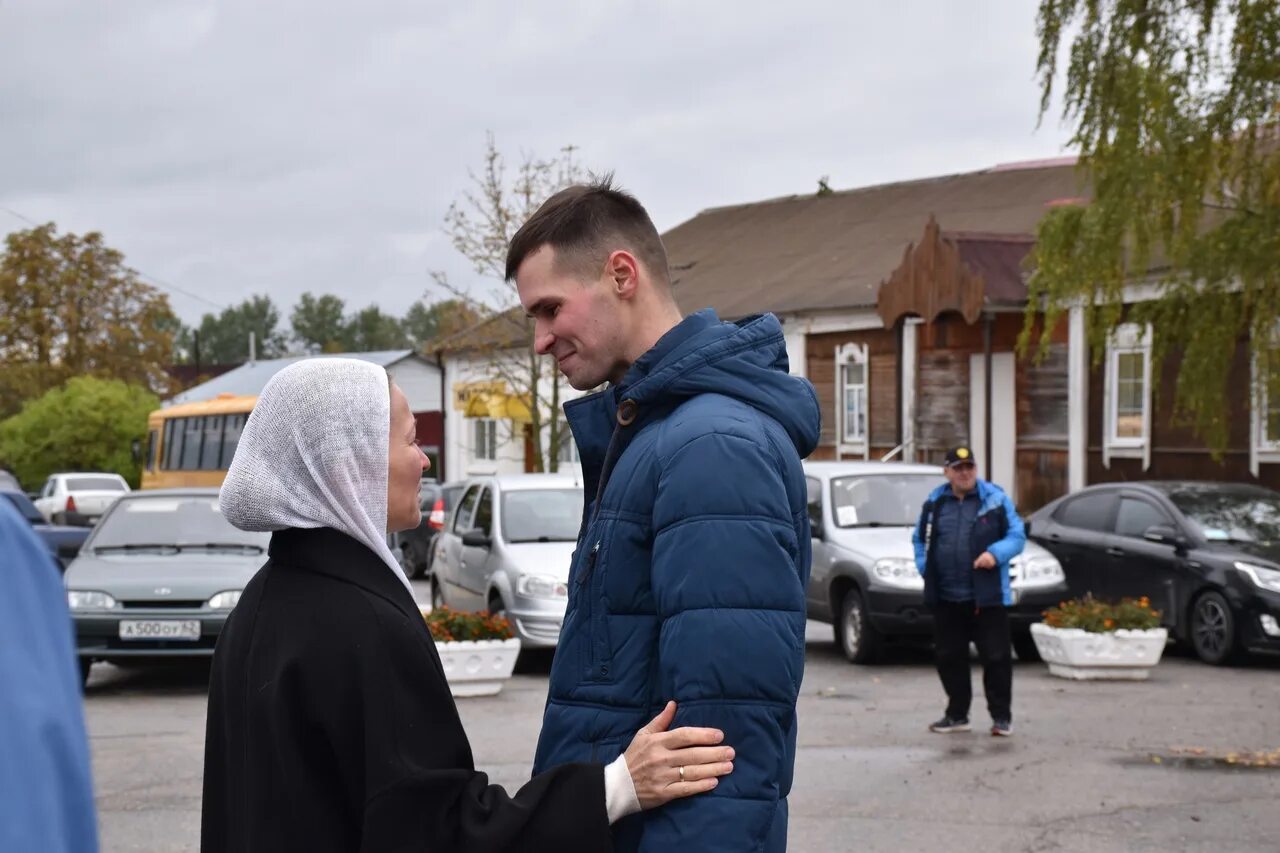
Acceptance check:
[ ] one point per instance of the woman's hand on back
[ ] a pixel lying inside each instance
(656, 756)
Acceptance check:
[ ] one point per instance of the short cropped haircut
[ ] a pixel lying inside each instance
(586, 222)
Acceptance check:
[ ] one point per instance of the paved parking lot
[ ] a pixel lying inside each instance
(1080, 774)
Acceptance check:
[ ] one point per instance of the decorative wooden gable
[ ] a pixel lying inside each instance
(954, 272)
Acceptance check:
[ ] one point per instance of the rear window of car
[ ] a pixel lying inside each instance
(95, 484)
(171, 520)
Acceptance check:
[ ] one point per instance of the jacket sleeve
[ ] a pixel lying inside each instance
(1015, 539)
(726, 577)
(420, 790)
(917, 539)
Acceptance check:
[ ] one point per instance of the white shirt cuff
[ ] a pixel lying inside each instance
(620, 797)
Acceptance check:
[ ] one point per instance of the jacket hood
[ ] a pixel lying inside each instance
(745, 360)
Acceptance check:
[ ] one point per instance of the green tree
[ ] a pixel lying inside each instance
(68, 307)
(1175, 109)
(224, 338)
(87, 424)
(318, 323)
(424, 323)
(369, 329)
(480, 225)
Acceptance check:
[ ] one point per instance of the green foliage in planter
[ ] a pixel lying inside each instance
(448, 625)
(1101, 617)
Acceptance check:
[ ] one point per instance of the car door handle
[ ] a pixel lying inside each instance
(1116, 552)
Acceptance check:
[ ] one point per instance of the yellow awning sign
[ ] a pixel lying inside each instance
(490, 400)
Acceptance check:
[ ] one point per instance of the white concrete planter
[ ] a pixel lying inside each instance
(1118, 655)
(478, 667)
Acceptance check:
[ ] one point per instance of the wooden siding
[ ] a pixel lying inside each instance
(942, 394)
(882, 394)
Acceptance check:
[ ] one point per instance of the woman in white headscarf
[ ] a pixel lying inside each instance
(331, 726)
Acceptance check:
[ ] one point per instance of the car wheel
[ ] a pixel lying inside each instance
(437, 594)
(856, 636)
(497, 608)
(85, 665)
(1213, 629)
(1025, 646)
(60, 519)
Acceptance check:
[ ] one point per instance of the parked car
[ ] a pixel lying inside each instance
(64, 542)
(79, 498)
(436, 502)
(1207, 555)
(158, 577)
(864, 580)
(507, 550)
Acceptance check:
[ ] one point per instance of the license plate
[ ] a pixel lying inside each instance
(160, 629)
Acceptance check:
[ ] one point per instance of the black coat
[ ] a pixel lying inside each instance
(331, 726)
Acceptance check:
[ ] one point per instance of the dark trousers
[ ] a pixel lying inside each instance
(955, 625)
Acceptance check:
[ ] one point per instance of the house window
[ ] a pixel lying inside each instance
(1265, 446)
(1129, 387)
(851, 390)
(484, 441)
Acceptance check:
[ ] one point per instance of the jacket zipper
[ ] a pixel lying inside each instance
(591, 564)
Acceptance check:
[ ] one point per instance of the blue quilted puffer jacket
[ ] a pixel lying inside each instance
(689, 578)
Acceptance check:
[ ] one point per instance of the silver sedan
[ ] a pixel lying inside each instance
(158, 577)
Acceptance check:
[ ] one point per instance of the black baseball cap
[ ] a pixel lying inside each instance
(959, 455)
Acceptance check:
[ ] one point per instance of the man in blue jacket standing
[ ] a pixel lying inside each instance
(693, 556)
(46, 794)
(967, 533)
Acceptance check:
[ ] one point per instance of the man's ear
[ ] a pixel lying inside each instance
(622, 273)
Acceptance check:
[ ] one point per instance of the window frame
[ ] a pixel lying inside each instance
(490, 440)
(1126, 339)
(859, 442)
(462, 507)
(1263, 447)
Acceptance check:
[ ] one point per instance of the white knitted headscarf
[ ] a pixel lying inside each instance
(314, 453)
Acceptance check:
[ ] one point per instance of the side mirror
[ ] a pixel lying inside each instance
(815, 521)
(476, 538)
(1164, 534)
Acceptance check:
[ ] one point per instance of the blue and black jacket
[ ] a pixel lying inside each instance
(997, 528)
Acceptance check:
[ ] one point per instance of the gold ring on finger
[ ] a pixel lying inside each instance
(681, 774)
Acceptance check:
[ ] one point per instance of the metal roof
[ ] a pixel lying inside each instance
(249, 379)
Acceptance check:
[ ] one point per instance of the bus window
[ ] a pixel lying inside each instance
(173, 444)
(193, 430)
(212, 447)
(231, 438)
(151, 449)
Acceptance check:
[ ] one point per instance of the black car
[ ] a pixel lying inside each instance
(64, 542)
(1207, 555)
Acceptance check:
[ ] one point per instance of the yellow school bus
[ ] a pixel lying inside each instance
(192, 444)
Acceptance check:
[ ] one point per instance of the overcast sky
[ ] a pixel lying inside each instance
(236, 148)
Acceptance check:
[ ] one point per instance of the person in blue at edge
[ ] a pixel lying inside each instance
(967, 533)
(46, 791)
(693, 556)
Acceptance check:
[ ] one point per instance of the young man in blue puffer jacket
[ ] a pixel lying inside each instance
(689, 578)
(967, 533)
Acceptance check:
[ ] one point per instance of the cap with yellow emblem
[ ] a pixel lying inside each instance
(960, 455)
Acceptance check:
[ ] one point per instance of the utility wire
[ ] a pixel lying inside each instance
(158, 282)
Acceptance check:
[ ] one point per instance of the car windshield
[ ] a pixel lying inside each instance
(880, 500)
(191, 522)
(95, 484)
(1231, 516)
(25, 507)
(541, 515)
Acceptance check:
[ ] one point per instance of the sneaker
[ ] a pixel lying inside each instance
(1002, 728)
(947, 725)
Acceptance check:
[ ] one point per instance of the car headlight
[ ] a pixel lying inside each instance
(899, 572)
(87, 599)
(1261, 576)
(1041, 570)
(224, 600)
(541, 586)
